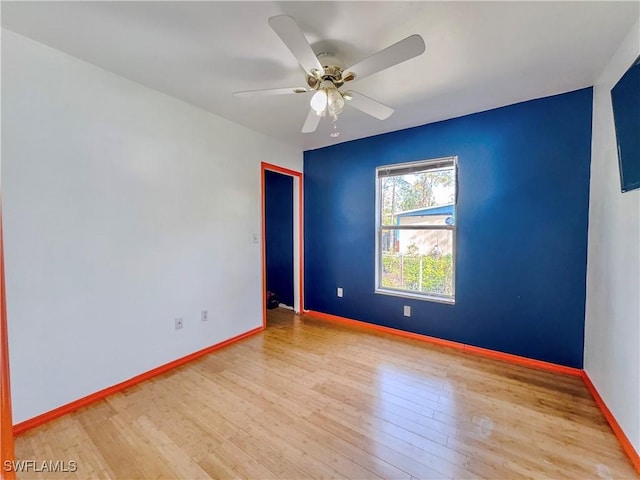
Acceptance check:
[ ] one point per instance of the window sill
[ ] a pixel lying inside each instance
(415, 296)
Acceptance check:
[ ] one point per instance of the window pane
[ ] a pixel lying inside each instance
(425, 197)
(440, 215)
(418, 260)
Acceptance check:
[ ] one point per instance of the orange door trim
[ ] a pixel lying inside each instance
(292, 173)
(6, 433)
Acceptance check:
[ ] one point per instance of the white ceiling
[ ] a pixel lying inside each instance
(480, 55)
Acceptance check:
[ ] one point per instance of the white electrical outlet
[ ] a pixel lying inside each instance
(204, 315)
(340, 292)
(179, 323)
(407, 311)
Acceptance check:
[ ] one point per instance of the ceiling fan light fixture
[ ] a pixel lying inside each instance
(319, 101)
(327, 99)
(335, 103)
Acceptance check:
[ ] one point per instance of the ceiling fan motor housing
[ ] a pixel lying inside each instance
(332, 72)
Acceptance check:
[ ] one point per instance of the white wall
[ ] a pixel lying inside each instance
(123, 209)
(612, 330)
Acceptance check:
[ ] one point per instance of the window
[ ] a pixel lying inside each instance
(416, 229)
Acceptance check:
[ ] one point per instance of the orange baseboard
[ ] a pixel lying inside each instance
(485, 352)
(81, 402)
(613, 423)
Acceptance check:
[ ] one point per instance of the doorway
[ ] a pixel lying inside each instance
(282, 236)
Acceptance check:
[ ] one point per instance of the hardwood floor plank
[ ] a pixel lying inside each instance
(313, 399)
(406, 463)
(170, 453)
(292, 412)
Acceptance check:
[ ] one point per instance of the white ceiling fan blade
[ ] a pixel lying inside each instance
(368, 105)
(312, 121)
(270, 91)
(410, 47)
(289, 32)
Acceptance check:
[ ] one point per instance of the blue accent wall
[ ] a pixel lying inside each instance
(279, 235)
(522, 213)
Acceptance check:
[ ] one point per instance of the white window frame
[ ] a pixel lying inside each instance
(418, 167)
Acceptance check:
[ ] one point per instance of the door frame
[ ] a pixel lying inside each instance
(298, 238)
(6, 419)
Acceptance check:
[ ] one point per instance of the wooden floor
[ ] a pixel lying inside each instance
(311, 399)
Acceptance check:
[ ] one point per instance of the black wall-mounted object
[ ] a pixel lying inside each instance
(625, 98)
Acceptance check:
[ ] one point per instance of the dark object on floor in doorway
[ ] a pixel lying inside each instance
(272, 300)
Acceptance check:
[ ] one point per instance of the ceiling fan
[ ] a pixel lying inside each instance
(325, 75)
